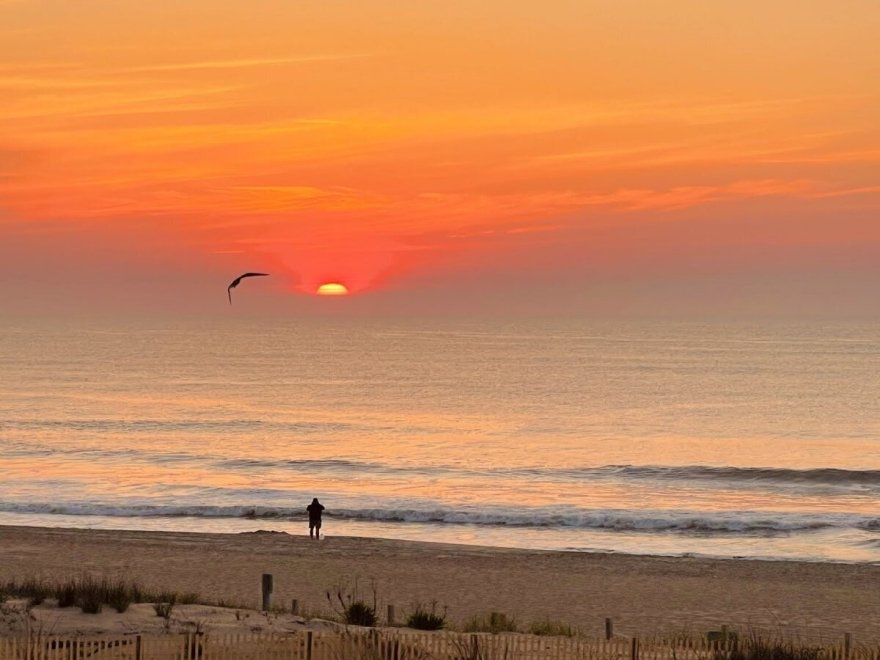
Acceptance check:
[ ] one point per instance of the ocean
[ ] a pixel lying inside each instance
(711, 439)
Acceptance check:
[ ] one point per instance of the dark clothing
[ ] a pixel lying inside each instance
(315, 510)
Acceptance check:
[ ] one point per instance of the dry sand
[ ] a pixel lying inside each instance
(643, 595)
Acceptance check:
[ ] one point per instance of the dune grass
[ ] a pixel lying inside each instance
(90, 593)
(423, 618)
(351, 605)
(550, 628)
(758, 648)
(494, 622)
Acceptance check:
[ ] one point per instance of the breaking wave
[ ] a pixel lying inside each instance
(863, 481)
(620, 521)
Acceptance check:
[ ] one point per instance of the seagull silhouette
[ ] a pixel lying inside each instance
(239, 279)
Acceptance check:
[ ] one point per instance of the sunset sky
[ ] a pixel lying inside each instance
(620, 157)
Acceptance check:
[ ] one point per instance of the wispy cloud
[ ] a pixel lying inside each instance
(805, 156)
(60, 82)
(506, 211)
(113, 100)
(847, 192)
(32, 66)
(268, 198)
(242, 63)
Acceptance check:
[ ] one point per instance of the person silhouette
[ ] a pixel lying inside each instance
(315, 509)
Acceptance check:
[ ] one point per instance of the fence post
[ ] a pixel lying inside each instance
(267, 590)
(138, 649)
(634, 650)
(395, 650)
(847, 645)
(609, 628)
(390, 617)
(309, 645)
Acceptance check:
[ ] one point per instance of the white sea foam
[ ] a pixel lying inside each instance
(629, 521)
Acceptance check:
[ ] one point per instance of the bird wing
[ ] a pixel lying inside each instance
(238, 279)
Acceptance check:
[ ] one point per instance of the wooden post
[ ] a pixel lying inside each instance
(294, 606)
(309, 645)
(390, 619)
(395, 650)
(634, 650)
(609, 628)
(847, 644)
(267, 591)
(138, 649)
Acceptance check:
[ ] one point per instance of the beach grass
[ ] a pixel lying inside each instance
(359, 613)
(351, 605)
(549, 628)
(494, 622)
(164, 609)
(423, 618)
(34, 589)
(90, 593)
(758, 648)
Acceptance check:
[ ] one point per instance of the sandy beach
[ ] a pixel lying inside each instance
(643, 595)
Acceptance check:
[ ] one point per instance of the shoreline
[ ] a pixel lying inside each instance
(643, 594)
(414, 532)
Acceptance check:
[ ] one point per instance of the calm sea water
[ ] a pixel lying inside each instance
(756, 440)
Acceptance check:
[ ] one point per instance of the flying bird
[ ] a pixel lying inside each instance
(239, 279)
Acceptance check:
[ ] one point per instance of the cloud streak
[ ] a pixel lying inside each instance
(245, 63)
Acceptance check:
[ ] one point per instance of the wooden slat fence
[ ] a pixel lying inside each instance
(385, 644)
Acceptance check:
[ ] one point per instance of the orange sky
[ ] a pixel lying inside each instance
(632, 156)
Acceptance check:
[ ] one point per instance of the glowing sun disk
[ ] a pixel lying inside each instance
(332, 289)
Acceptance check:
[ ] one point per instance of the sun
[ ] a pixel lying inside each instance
(332, 289)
